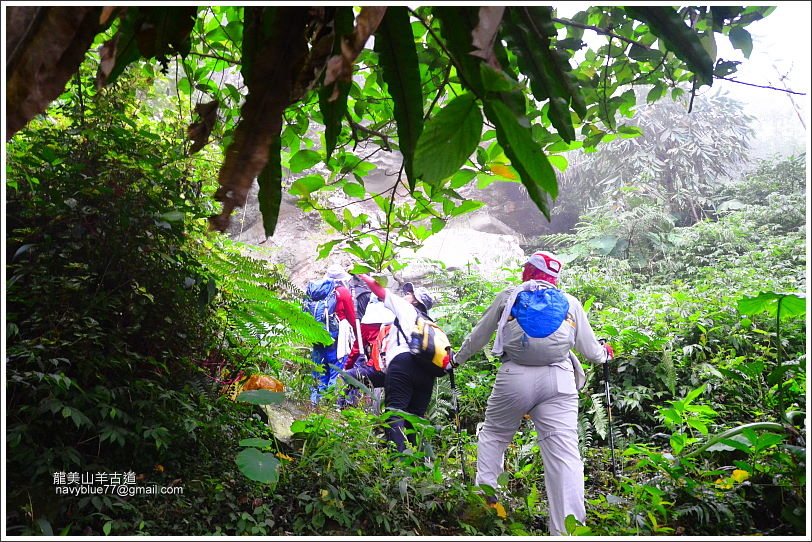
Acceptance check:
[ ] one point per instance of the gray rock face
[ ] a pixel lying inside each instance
(470, 244)
(476, 241)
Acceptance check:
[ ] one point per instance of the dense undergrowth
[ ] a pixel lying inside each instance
(126, 321)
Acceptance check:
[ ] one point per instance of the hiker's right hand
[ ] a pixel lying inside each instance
(610, 353)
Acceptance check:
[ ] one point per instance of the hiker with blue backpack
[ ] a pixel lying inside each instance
(330, 302)
(536, 325)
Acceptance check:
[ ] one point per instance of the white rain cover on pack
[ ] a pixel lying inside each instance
(377, 314)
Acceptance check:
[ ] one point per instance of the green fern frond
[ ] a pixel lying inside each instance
(600, 420)
(585, 435)
(261, 305)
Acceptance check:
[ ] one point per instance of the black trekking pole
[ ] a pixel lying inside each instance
(453, 383)
(609, 410)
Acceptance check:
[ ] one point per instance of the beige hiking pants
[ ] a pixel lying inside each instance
(548, 394)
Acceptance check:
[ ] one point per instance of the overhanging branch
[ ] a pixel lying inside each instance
(761, 86)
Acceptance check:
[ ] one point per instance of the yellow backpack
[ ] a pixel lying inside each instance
(429, 346)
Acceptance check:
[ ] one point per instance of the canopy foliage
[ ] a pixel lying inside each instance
(421, 89)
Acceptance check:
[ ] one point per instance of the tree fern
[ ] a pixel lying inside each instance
(261, 309)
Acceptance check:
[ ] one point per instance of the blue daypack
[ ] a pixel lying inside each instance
(321, 304)
(540, 312)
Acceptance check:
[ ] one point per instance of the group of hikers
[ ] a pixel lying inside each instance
(536, 325)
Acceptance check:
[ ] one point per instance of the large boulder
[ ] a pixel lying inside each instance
(477, 243)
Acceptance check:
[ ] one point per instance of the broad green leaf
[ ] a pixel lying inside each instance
(456, 28)
(708, 42)
(483, 180)
(258, 466)
(330, 217)
(721, 14)
(642, 54)
(777, 374)
(559, 162)
(304, 159)
(466, 207)
(629, 131)
(172, 216)
(665, 23)
(655, 93)
(791, 304)
(765, 440)
(299, 426)
(573, 44)
(570, 523)
(351, 380)
(306, 185)
(527, 30)
(693, 394)
(326, 248)
(604, 245)
(354, 190)
(461, 178)
(448, 140)
(261, 397)
(437, 224)
(497, 81)
(394, 43)
(701, 409)
(677, 442)
(270, 187)
(671, 415)
(741, 39)
(256, 442)
(723, 68)
(730, 445)
(698, 425)
(525, 155)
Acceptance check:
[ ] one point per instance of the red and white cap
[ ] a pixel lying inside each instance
(546, 263)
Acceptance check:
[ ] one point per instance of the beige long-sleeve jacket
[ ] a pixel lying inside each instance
(575, 333)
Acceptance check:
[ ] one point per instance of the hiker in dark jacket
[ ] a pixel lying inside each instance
(407, 387)
(539, 377)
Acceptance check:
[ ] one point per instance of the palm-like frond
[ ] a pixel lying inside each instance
(262, 306)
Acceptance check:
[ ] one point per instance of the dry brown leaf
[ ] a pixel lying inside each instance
(339, 67)
(107, 57)
(315, 62)
(274, 62)
(109, 11)
(484, 35)
(45, 47)
(200, 131)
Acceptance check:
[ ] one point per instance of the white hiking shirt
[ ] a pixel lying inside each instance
(406, 314)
